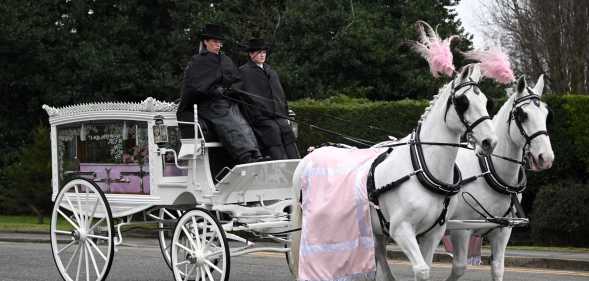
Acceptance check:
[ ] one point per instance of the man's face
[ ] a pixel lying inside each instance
(213, 45)
(258, 57)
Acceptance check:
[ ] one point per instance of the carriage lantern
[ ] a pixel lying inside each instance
(160, 131)
(293, 124)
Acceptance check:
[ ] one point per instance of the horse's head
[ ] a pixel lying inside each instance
(527, 125)
(466, 110)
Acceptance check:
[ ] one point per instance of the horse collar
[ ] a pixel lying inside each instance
(423, 173)
(495, 182)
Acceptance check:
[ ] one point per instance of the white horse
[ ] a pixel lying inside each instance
(410, 208)
(521, 130)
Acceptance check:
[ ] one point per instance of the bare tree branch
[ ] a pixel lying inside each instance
(547, 36)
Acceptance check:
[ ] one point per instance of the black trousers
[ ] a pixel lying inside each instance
(276, 138)
(227, 123)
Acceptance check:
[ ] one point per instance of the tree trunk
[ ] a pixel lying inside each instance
(38, 213)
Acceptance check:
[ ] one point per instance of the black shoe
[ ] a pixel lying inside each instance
(246, 159)
(260, 159)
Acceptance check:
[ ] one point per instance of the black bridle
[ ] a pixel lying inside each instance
(485, 162)
(452, 101)
(490, 174)
(518, 116)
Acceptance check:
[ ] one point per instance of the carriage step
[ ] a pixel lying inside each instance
(241, 211)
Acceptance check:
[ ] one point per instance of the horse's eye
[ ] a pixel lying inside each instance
(520, 115)
(461, 104)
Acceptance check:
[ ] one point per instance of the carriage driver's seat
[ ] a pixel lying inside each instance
(189, 146)
(187, 149)
(219, 157)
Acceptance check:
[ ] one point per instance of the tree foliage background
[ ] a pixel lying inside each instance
(61, 52)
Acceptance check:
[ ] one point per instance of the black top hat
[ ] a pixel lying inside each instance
(213, 31)
(256, 44)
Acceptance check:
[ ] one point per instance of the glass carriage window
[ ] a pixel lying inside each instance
(170, 169)
(112, 153)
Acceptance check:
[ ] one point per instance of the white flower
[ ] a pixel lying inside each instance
(90, 12)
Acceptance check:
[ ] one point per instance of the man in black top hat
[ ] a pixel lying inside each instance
(267, 104)
(208, 79)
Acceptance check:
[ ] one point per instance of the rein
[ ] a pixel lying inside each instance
(356, 140)
(342, 120)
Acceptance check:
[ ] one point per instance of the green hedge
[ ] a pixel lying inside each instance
(569, 132)
(560, 215)
(396, 118)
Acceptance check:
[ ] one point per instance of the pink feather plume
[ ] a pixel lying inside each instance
(494, 64)
(435, 50)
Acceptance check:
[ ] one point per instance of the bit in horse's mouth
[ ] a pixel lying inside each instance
(532, 163)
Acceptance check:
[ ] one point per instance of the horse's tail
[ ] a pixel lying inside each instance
(296, 220)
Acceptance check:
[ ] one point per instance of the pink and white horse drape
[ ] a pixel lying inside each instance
(337, 243)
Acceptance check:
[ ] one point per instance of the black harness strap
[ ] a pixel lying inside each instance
(519, 209)
(420, 167)
(374, 193)
(424, 177)
(441, 219)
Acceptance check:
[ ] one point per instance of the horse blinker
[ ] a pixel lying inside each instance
(461, 104)
(520, 115)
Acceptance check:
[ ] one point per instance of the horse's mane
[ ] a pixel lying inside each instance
(433, 101)
(505, 109)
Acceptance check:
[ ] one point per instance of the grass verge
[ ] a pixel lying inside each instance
(23, 224)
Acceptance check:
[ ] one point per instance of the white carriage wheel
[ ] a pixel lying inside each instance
(289, 260)
(199, 248)
(288, 254)
(82, 220)
(165, 232)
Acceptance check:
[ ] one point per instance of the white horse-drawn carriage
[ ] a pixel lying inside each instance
(117, 165)
(120, 164)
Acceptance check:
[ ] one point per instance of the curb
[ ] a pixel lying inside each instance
(510, 261)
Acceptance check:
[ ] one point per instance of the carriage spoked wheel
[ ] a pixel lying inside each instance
(199, 248)
(288, 255)
(82, 233)
(165, 232)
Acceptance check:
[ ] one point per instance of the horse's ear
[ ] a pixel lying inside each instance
(465, 72)
(539, 85)
(521, 85)
(475, 74)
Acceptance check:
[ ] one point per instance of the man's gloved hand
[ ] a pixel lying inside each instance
(220, 90)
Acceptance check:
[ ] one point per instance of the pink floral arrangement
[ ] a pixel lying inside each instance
(494, 64)
(435, 50)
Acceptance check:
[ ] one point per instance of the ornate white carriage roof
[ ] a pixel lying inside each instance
(148, 105)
